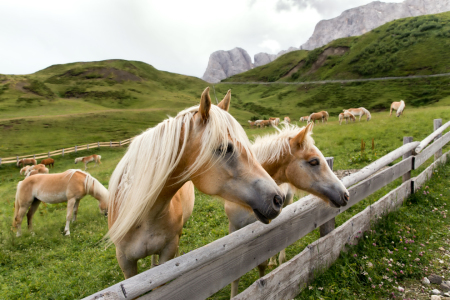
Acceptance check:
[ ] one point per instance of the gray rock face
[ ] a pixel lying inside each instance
(359, 20)
(282, 52)
(436, 279)
(264, 58)
(223, 64)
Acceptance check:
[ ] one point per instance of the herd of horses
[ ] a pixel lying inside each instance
(151, 195)
(347, 114)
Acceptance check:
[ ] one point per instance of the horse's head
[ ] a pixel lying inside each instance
(77, 160)
(219, 150)
(305, 167)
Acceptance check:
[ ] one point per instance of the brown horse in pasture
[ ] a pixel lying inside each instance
(346, 115)
(48, 162)
(399, 107)
(359, 112)
(37, 169)
(203, 144)
(70, 187)
(304, 119)
(87, 159)
(290, 157)
(26, 161)
(287, 120)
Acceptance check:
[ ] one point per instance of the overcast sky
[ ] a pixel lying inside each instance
(176, 36)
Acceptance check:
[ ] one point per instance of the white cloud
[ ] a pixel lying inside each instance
(272, 45)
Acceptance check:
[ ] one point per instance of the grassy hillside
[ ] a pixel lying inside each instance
(410, 46)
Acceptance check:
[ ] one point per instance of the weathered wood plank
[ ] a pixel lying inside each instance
(378, 164)
(407, 140)
(431, 137)
(289, 279)
(419, 180)
(436, 124)
(430, 150)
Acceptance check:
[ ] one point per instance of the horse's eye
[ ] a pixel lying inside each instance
(314, 162)
(228, 150)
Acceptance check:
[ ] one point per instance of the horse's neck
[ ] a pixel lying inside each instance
(276, 170)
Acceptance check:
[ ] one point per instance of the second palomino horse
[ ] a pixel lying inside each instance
(346, 115)
(203, 144)
(321, 115)
(287, 120)
(290, 156)
(87, 159)
(399, 107)
(70, 187)
(37, 169)
(26, 161)
(304, 119)
(359, 112)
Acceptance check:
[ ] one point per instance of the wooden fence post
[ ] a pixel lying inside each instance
(17, 160)
(120, 143)
(48, 154)
(34, 156)
(75, 148)
(98, 144)
(87, 147)
(328, 226)
(110, 144)
(63, 152)
(0, 161)
(406, 140)
(436, 124)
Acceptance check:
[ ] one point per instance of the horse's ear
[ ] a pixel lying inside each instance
(205, 105)
(225, 103)
(300, 137)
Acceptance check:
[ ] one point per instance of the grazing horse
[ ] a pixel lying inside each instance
(70, 187)
(346, 115)
(264, 123)
(48, 162)
(399, 107)
(24, 170)
(26, 161)
(203, 144)
(359, 112)
(290, 157)
(88, 159)
(315, 116)
(274, 121)
(287, 120)
(252, 124)
(304, 119)
(37, 169)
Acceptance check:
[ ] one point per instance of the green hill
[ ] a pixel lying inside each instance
(410, 46)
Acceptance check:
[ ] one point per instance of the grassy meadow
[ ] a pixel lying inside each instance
(48, 265)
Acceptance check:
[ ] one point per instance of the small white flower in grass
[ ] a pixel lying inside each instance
(310, 287)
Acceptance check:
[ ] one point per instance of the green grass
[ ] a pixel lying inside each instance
(400, 248)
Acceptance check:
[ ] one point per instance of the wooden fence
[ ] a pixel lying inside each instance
(204, 271)
(76, 148)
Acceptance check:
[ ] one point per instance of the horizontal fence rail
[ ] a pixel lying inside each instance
(204, 271)
(15, 159)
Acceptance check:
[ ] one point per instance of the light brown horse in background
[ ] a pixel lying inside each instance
(315, 116)
(346, 115)
(304, 119)
(203, 144)
(287, 120)
(37, 169)
(87, 159)
(26, 161)
(48, 162)
(264, 123)
(289, 156)
(399, 107)
(70, 187)
(325, 116)
(359, 112)
(24, 170)
(275, 121)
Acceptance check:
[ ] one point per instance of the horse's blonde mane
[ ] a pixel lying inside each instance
(152, 156)
(271, 147)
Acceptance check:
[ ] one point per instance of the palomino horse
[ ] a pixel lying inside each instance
(26, 161)
(70, 187)
(275, 121)
(304, 119)
(264, 123)
(316, 116)
(204, 144)
(48, 162)
(24, 170)
(37, 169)
(252, 123)
(399, 107)
(287, 120)
(346, 115)
(359, 112)
(290, 156)
(88, 159)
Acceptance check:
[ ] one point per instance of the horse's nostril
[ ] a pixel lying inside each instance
(346, 196)
(278, 201)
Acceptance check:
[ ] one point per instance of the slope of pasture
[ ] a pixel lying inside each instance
(95, 86)
(410, 46)
(48, 265)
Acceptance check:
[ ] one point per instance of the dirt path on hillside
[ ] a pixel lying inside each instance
(85, 113)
